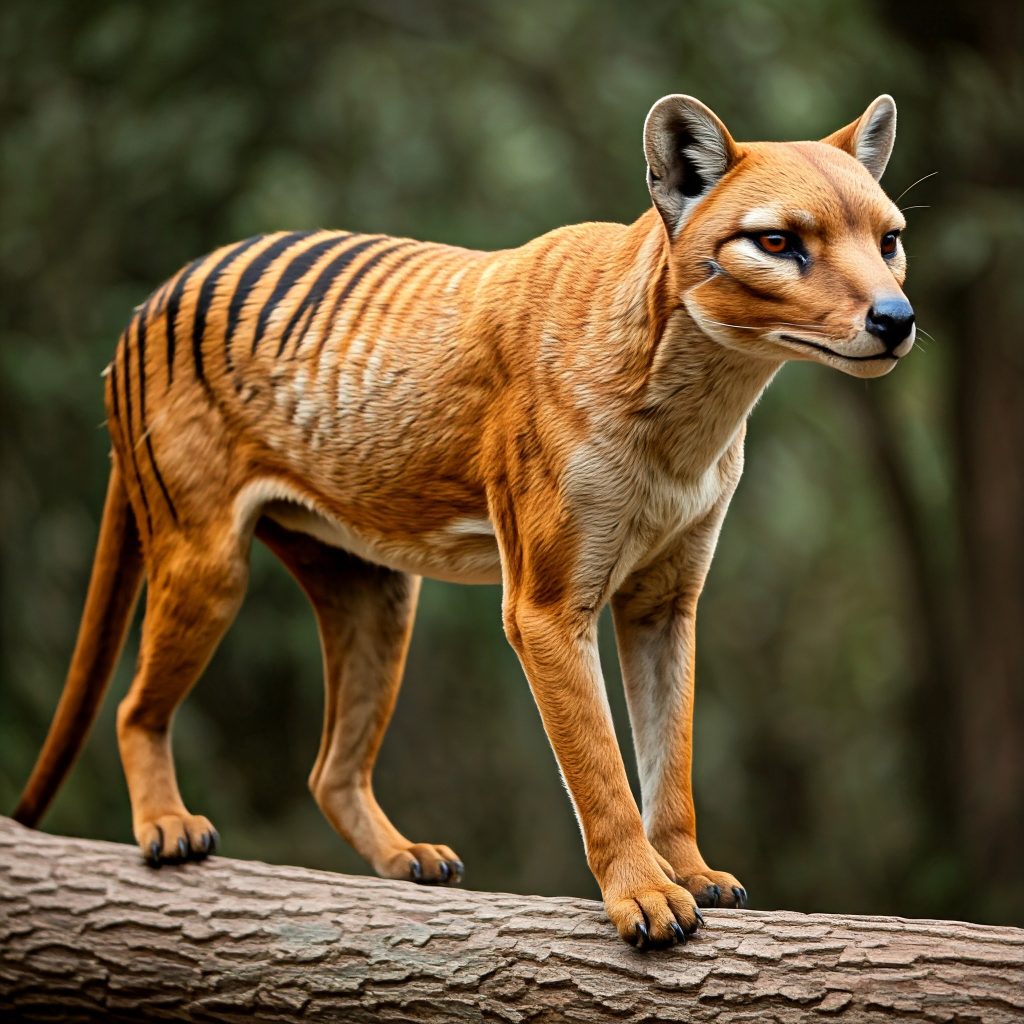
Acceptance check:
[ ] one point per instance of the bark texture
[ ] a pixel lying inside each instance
(87, 932)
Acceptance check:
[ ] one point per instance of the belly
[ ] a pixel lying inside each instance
(464, 551)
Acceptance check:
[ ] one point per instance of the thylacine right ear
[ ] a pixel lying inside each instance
(870, 138)
(688, 149)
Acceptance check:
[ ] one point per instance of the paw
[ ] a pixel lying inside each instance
(654, 914)
(715, 889)
(424, 863)
(174, 838)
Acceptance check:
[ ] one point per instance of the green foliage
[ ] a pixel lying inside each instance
(136, 136)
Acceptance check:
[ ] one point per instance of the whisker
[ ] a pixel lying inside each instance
(903, 209)
(918, 182)
(719, 323)
(769, 327)
(808, 329)
(930, 337)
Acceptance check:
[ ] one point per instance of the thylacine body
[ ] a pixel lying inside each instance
(566, 418)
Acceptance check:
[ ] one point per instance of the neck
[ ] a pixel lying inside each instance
(693, 394)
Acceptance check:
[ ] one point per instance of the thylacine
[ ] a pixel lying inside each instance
(566, 418)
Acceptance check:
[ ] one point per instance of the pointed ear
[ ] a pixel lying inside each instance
(688, 149)
(871, 136)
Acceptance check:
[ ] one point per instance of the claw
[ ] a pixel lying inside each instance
(214, 840)
(154, 859)
(182, 849)
(643, 936)
(459, 870)
(700, 917)
(416, 871)
(206, 843)
(679, 933)
(739, 895)
(444, 871)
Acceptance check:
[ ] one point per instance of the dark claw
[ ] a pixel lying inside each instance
(642, 935)
(214, 840)
(739, 894)
(700, 917)
(416, 871)
(444, 870)
(182, 849)
(460, 869)
(155, 847)
(206, 843)
(679, 933)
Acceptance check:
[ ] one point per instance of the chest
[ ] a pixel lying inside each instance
(630, 511)
(668, 506)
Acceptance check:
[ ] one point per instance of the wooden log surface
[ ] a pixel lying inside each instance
(87, 932)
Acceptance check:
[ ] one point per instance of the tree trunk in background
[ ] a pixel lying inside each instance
(87, 932)
(972, 139)
(992, 500)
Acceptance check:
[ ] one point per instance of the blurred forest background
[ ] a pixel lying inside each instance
(860, 711)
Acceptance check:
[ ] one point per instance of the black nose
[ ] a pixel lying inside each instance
(890, 320)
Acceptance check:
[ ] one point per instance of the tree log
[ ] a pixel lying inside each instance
(88, 932)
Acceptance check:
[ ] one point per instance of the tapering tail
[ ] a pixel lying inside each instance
(113, 592)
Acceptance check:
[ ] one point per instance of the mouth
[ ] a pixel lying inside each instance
(876, 357)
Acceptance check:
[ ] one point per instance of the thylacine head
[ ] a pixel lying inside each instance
(784, 250)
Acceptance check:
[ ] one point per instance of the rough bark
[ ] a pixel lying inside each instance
(88, 932)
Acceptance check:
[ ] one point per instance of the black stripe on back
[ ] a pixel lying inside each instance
(173, 302)
(391, 271)
(160, 479)
(114, 400)
(141, 324)
(291, 273)
(129, 439)
(206, 293)
(354, 280)
(249, 279)
(324, 280)
(126, 347)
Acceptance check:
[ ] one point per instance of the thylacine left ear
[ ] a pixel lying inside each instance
(688, 149)
(870, 138)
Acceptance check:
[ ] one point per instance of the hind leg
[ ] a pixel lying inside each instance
(194, 590)
(365, 615)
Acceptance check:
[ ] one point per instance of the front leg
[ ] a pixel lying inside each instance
(655, 615)
(557, 645)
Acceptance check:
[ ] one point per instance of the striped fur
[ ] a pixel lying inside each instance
(566, 418)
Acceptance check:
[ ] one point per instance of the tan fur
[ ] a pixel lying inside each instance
(566, 418)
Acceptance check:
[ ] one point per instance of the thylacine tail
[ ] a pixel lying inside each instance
(113, 592)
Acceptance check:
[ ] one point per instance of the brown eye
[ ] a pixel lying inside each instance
(889, 241)
(780, 243)
(774, 242)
